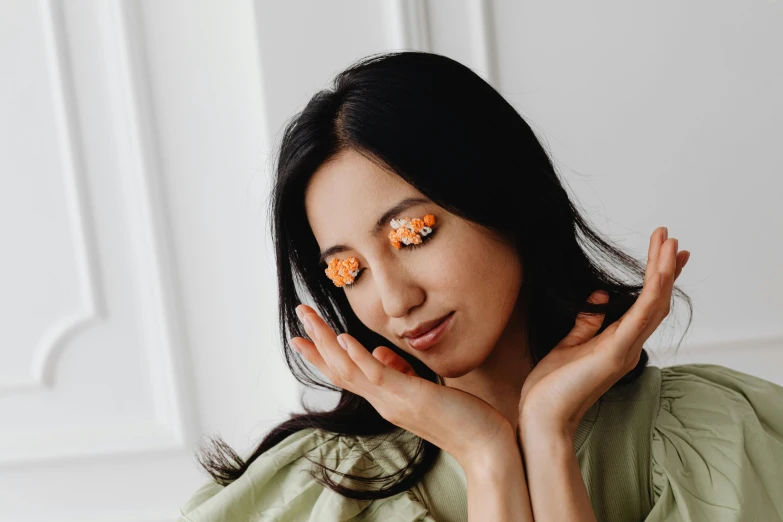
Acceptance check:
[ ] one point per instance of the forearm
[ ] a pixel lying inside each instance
(557, 489)
(497, 489)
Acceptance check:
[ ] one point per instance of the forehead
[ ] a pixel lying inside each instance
(346, 195)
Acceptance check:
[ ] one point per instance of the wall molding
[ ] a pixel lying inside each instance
(483, 39)
(408, 25)
(54, 339)
(137, 142)
(172, 426)
(750, 344)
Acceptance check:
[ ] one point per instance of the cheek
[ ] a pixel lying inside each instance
(488, 279)
(365, 309)
(472, 268)
(448, 264)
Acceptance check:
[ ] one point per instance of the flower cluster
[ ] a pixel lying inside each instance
(343, 272)
(406, 231)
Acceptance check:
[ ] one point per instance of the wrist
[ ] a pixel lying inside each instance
(547, 444)
(550, 458)
(496, 482)
(535, 429)
(492, 456)
(497, 469)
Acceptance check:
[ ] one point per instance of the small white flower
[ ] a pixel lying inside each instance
(425, 230)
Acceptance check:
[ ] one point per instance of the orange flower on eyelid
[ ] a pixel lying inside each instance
(417, 223)
(342, 272)
(406, 230)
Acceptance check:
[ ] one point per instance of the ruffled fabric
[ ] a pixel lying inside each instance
(688, 443)
(278, 486)
(717, 447)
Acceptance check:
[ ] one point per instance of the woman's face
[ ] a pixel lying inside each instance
(458, 268)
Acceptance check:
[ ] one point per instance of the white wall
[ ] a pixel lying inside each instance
(137, 302)
(668, 113)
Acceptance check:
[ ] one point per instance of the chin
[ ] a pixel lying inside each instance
(452, 370)
(447, 362)
(449, 374)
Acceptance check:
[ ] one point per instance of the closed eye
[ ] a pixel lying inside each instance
(355, 279)
(424, 239)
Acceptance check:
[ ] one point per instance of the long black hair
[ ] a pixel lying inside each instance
(451, 135)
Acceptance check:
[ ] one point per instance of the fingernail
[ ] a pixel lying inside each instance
(342, 342)
(299, 312)
(294, 346)
(665, 233)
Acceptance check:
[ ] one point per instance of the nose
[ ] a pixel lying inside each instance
(398, 290)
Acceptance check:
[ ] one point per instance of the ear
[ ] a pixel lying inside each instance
(393, 361)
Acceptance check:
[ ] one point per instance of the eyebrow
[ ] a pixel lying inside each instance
(382, 221)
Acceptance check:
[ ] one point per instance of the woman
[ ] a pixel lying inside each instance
(413, 198)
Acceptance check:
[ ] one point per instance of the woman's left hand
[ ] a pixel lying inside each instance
(570, 378)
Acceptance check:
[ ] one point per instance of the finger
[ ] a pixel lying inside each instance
(652, 305)
(347, 374)
(668, 265)
(392, 393)
(682, 259)
(636, 320)
(658, 238)
(667, 268)
(375, 371)
(586, 325)
(389, 358)
(310, 352)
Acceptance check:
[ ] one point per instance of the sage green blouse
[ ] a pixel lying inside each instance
(696, 442)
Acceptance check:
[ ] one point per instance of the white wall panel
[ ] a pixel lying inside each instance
(106, 315)
(138, 287)
(95, 379)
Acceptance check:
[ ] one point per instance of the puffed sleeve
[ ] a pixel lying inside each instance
(278, 486)
(717, 447)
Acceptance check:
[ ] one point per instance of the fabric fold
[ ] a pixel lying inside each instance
(717, 446)
(278, 485)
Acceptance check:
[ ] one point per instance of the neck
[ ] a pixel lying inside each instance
(499, 379)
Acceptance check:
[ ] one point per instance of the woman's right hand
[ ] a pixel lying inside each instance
(459, 423)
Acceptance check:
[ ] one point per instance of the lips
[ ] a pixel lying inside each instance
(431, 337)
(424, 327)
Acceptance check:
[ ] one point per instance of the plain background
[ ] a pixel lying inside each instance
(137, 278)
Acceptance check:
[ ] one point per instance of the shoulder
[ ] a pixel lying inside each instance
(279, 484)
(717, 441)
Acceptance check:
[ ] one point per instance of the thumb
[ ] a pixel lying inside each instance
(393, 361)
(586, 325)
